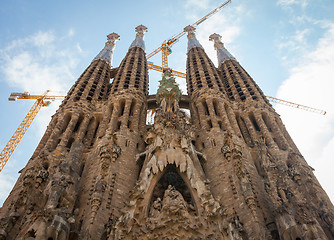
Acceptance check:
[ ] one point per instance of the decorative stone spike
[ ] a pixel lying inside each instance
(106, 53)
(244, 184)
(192, 41)
(222, 52)
(139, 41)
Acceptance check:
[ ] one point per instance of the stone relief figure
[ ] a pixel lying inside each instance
(109, 148)
(28, 177)
(174, 203)
(109, 151)
(115, 149)
(169, 145)
(41, 177)
(236, 229)
(61, 189)
(156, 208)
(97, 196)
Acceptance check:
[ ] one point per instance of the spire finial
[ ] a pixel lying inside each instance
(106, 53)
(140, 30)
(192, 41)
(189, 29)
(222, 52)
(112, 38)
(139, 41)
(216, 38)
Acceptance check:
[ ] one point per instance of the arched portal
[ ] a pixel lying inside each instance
(171, 179)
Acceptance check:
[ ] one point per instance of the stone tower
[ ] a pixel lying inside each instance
(228, 171)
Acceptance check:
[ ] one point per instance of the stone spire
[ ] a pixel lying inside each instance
(192, 41)
(222, 52)
(108, 50)
(139, 41)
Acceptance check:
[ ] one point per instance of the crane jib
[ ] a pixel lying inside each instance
(177, 36)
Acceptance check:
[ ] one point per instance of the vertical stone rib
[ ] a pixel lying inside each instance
(58, 130)
(232, 119)
(90, 131)
(83, 128)
(202, 119)
(135, 118)
(195, 115)
(250, 128)
(266, 134)
(224, 116)
(244, 130)
(108, 109)
(103, 60)
(125, 117)
(277, 133)
(114, 117)
(142, 118)
(69, 130)
(212, 112)
(248, 83)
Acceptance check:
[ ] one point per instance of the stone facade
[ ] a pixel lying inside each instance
(228, 171)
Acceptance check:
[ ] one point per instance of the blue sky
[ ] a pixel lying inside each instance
(287, 46)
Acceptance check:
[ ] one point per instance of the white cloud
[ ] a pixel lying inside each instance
(294, 45)
(38, 63)
(79, 48)
(42, 39)
(288, 3)
(70, 32)
(197, 4)
(311, 83)
(296, 41)
(219, 23)
(229, 32)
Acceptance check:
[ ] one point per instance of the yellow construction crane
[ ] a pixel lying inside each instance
(165, 47)
(296, 105)
(41, 101)
(271, 99)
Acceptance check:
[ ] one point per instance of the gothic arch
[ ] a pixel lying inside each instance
(171, 168)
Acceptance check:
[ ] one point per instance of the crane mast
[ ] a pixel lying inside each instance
(271, 99)
(26, 122)
(166, 45)
(165, 50)
(41, 102)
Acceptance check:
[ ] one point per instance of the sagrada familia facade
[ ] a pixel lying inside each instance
(230, 170)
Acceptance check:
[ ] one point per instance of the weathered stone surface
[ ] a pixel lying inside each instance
(230, 171)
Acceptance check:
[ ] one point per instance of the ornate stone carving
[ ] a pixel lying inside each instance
(170, 145)
(61, 189)
(96, 198)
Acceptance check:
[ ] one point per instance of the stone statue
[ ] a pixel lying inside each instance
(156, 208)
(61, 189)
(173, 202)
